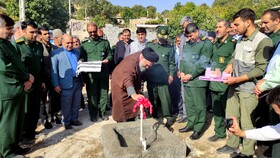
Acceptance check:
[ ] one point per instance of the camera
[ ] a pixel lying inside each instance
(228, 123)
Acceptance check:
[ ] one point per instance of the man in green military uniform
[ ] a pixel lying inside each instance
(94, 48)
(222, 50)
(248, 63)
(160, 75)
(271, 24)
(264, 113)
(14, 80)
(195, 57)
(31, 55)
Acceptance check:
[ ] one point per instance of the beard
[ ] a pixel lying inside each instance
(142, 68)
(6, 35)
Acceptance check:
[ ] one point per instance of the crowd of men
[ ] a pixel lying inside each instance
(35, 71)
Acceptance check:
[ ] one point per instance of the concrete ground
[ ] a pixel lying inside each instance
(85, 141)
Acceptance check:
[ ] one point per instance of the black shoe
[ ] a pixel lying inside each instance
(182, 120)
(185, 129)
(28, 141)
(168, 122)
(48, 125)
(195, 135)
(66, 127)
(240, 155)
(76, 123)
(226, 150)
(57, 120)
(21, 151)
(215, 138)
(105, 118)
(93, 119)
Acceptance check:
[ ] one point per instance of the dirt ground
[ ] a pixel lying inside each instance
(85, 141)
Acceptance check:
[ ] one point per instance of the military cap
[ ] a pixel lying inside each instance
(150, 54)
(162, 32)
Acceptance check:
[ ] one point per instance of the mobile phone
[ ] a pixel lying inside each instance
(228, 122)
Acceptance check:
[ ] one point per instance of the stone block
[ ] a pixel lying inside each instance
(122, 140)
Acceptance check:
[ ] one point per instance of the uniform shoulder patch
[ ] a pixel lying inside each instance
(203, 38)
(85, 40)
(19, 40)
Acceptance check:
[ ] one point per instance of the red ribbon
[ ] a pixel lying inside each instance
(146, 105)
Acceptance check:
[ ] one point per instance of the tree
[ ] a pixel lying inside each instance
(127, 14)
(139, 11)
(177, 6)
(165, 12)
(206, 17)
(99, 20)
(175, 16)
(151, 11)
(96, 9)
(49, 12)
(12, 8)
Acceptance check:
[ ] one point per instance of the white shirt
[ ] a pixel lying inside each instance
(266, 133)
(136, 46)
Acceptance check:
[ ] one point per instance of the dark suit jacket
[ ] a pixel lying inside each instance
(120, 51)
(62, 74)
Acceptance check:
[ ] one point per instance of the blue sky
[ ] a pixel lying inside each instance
(161, 5)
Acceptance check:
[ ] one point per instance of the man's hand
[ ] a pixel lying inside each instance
(136, 96)
(179, 74)
(27, 85)
(185, 78)
(105, 61)
(257, 89)
(235, 129)
(57, 89)
(31, 78)
(170, 79)
(230, 81)
(229, 69)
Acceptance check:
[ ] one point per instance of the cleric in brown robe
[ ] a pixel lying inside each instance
(126, 83)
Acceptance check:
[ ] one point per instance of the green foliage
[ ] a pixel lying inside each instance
(158, 21)
(101, 11)
(165, 12)
(139, 11)
(206, 17)
(12, 8)
(177, 6)
(151, 11)
(2, 4)
(49, 12)
(99, 20)
(127, 14)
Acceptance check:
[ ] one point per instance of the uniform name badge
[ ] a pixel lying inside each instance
(221, 60)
